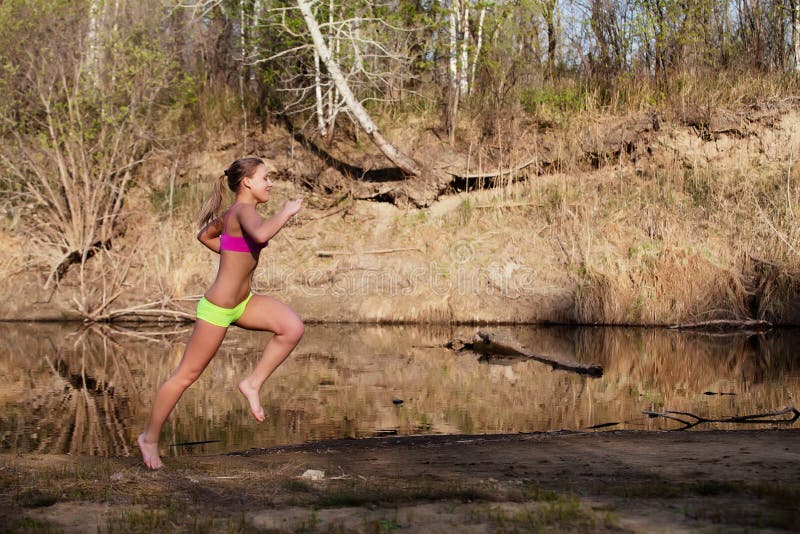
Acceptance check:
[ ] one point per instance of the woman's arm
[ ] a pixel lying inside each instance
(262, 230)
(209, 234)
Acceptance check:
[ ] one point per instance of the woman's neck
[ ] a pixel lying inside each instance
(246, 199)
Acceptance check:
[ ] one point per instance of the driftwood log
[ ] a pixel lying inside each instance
(490, 344)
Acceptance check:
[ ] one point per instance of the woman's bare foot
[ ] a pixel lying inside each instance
(149, 453)
(251, 394)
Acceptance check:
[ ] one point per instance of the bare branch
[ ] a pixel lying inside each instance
(742, 419)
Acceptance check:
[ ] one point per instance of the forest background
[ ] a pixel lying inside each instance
(578, 161)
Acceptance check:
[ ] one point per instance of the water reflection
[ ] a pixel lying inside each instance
(66, 388)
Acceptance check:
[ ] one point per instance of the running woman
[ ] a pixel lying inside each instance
(238, 237)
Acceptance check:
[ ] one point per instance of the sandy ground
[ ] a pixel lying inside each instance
(622, 481)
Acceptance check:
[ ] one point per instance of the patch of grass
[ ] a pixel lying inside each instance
(777, 510)
(35, 498)
(27, 524)
(387, 525)
(563, 514)
(747, 517)
(465, 211)
(140, 521)
(365, 494)
(531, 491)
(563, 510)
(547, 100)
(644, 490)
(309, 524)
(709, 488)
(779, 495)
(294, 485)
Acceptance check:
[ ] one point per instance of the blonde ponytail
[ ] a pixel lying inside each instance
(233, 176)
(210, 207)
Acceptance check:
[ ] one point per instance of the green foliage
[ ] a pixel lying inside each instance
(465, 211)
(632, 54)
(538, 100)
(699, 189)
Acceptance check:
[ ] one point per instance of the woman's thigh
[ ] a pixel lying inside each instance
(203, 344)
(267, 313)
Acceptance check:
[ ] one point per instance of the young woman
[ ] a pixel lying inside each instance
(238, 237)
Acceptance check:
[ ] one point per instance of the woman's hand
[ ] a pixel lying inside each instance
(263, 230)
(292, 206)
(209, 234)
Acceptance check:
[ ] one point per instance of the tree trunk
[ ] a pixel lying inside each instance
(93, 39)
(550, 13)
(243, 70)
(796, 34)
(318, 96)
(404, 162)
(479, 42)
(463, 87)
(451, 112)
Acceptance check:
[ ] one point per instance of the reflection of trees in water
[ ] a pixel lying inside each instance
(673, 370)
(87, 414)
(77, 394)
(81, 391)
(85, 407)
(692, 358)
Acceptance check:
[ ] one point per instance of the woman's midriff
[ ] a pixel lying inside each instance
(232, 284)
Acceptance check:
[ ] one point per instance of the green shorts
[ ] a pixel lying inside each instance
(217, 315)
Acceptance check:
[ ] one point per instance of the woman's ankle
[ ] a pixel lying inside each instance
(147, 438)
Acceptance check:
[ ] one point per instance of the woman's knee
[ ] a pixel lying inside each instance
(293, 331)
(184, 378)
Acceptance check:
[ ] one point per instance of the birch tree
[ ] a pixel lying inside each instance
(478, 45)
(404, 162)
(794, 12)
(608, 20)
(549, 10)
(460, 69)
(465, 41)
(453, 87)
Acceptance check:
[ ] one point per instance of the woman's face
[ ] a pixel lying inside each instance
(260, 184)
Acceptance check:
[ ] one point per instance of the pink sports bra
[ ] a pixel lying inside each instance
(238, 244)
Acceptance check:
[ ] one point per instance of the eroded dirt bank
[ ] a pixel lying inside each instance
(629, 481)
(619, 220)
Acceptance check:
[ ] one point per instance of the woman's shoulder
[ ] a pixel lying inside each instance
(240, 213)
(235, 209)
(239, 209)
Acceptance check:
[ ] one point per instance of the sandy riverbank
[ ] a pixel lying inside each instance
(630, 481)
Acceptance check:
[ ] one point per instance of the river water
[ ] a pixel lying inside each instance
(70, 388)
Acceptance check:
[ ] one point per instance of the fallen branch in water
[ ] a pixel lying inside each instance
(157, 308)
(175, 314)
(725, 324)
(742, 419)
(487, 343)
